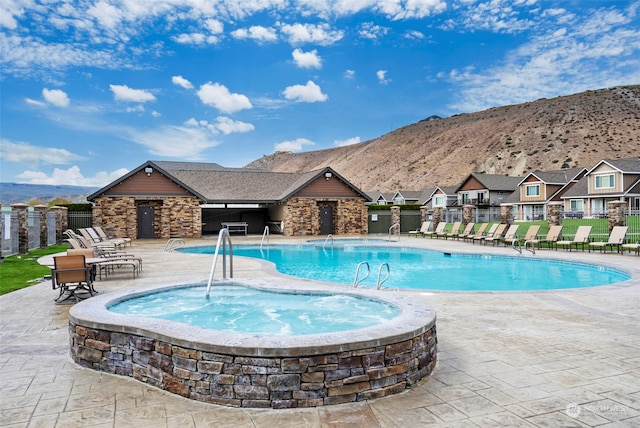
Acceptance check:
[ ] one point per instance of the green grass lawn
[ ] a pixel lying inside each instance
(19, 271)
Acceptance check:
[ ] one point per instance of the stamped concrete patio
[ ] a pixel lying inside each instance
(556, 358)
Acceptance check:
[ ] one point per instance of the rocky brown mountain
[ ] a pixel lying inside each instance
(547, 134)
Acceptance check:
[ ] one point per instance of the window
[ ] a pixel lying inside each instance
(439, 201)
(605, 181)
(577, 205)
(465, 198)
(532, 190)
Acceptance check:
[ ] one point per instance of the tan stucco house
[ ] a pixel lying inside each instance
(164, 199)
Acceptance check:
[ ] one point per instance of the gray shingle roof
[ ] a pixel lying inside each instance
(496, 182)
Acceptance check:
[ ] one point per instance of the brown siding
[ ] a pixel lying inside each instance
(472, 184)
(327, 188)
(140, 184)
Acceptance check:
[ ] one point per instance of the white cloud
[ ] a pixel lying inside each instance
(411, 9)
(222, 124)
(71, 176)
(218, 96)
(349, 74)
(257, 33)
(125, 93)
(320, 34)
(347, 142)
(181, 81)
(135, 109)
(56, 97)
(293, 146)
(156, 114)
(382, 79)
(20, 152)
(306, 59)
(309, 93)
(34, 102)
(177, 142)
(196, 39)
(371, 31)
(9, 10)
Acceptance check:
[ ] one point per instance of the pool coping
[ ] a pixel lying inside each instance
(414, 319)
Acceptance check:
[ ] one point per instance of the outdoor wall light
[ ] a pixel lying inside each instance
(327, 175)
(148, 170)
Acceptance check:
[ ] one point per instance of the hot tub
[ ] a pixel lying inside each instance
(254, 370)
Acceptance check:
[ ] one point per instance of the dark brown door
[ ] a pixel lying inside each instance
(326, 220)
(145, 223)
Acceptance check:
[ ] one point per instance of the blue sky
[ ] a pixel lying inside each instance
(91, 89)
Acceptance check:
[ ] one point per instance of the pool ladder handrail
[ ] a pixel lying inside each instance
(329, 236)
(265, 234)
(379, 283)
(397, 225)
(223, 238)
(533, 247)
(356, 282)
(515, 244)
(174, 243)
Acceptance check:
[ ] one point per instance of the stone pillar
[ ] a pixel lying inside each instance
(62, 222)
(21, 211)
(468, 214)
(506, 213)
(41, 211)
(437, 216)
(554, 213)
(424, 214)
(617, 211)
(395, 217)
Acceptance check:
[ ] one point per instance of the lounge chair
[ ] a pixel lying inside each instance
(581, 238)
(455, 230)
(72, 276)
(468, 230)
(631, 247)
(479, 232)
(510, 235)
(530, 236)
(496, 235)
(551, 239)
(103, 235)
(425, 229)
(92, 236)
(439, 229)
(616, 239)
(480, 236)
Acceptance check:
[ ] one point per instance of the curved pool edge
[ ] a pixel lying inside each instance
(259, 371)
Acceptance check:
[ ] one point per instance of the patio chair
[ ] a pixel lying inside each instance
(581, 238)
(551, 239)
(468, 230)
(455, 230)
(530, 236)
(496, 236)
(510, 235)
(439, 230)
(481, 228)
(424, 229)
(480, 236)
(104, 237)
(616, 239)
(72, 276)
(631, 247)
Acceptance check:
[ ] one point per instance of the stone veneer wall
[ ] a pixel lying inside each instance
(302, 216)
(247, 381)
(174, 216)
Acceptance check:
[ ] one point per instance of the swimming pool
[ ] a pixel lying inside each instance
(249, 310)
(414, 268)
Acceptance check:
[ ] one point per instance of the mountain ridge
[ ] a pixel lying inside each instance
(546, 134)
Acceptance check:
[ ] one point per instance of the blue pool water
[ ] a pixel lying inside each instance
(247, 310)
(428, 270)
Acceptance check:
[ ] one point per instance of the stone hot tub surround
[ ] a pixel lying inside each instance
(245, 370)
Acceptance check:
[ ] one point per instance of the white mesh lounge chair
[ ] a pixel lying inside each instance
(551, 239)
(496, 235)
(481, 228)
(616, 239)
(439, 229)
(581, 238)
(480, 236)
(468, 230)
(425, 229)
(455, 230)
(530, 236)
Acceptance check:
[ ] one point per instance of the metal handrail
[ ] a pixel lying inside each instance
(224, 233)
(356, 282)
(265, 234)
(516, 246)
(397, 225)
(329, 236)
(533, 247)
(379, 283)
(174, 243)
